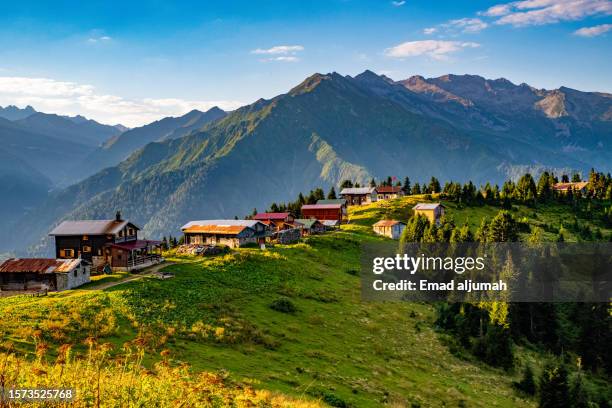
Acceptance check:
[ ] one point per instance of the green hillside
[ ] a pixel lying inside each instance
(287, 319)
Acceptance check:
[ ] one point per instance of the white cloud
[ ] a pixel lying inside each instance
(280, 53)
(461, 25)
(593, 31)
(70, 98)
(539, 12)
(103, 38)
(438, 50)
(398, 3)
(279, 49)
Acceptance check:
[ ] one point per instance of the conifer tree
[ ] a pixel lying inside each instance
(332, 194)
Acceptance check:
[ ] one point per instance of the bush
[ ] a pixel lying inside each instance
(283, 305)
(527, 383)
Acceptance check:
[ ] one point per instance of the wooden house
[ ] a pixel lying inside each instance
(105, 242)
(310, 226)
(579, 187)
(42, 274)
(340, 201)
(231, 233)
(323, 211)
(433, 211)
(388, 192)
(276, 220)
(389, 228)
(359, 195)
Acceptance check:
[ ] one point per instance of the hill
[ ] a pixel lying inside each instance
(288, 319)
(12, 112)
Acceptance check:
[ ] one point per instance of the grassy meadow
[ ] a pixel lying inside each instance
(280, 327)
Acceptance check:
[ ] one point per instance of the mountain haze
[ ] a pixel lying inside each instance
(332, 127)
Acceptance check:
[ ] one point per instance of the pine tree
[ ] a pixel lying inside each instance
(416, 189)
(554, 387)
(406, 188)
(527, 383)
(372, 182)
(346, 184)
(434, 185)
(332, 194)
(503, 228)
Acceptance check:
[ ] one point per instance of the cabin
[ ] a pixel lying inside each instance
(331, 224)
(433, 211)
(389, 192)
(231, 233)
(42, 274)
(323, 211)
(359, 195)
(340, 201)
(579, 187)
(389, 228)
(113, 243)
(310, 226)
(276, 220)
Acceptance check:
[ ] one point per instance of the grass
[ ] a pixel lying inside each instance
(333, 348)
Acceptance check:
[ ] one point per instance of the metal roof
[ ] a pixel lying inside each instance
(216, 229)
(272, 216)
(579, 185)
(90, 227)
(387, 223)
(330, 223)
(239, 223)
(321, 206)
(358, 190)
(38, 265)
(307, 222)
(427, 206)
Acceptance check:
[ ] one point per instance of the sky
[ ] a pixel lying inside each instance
(138, 62)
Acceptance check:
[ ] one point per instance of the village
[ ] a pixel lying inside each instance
(84, 248)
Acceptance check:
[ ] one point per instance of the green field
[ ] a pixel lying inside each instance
(216, 315)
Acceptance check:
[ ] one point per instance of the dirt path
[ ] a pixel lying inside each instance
(145, 272)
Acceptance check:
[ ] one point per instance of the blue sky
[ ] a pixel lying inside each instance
(139, 62)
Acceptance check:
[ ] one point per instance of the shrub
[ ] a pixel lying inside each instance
(527, 383)
(283, 305)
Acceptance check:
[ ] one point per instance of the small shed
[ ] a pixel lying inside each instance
(389, 228)
(35, 274)
(310, 226)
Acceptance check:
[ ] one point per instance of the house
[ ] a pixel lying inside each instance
(323, 211)
(36, 274)
(105, 242)
(331, 224)
(389, 228)
(433, 211)
(340, 201)
(388, 192)
(577, 187)
(276, 220)
(310, 226)
(231, 233)
(359, 195)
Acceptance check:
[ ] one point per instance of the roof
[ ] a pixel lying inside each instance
(271, 216)
(388, 189)
(427, 206)
(330, 223)
(566, 186)
(340, 201)
(38, 265)
(307, 222)
(321, 206)
(387, 223)
(216, 229)
(90, 227)
(235, 223)
(136, 244)
(358, 190)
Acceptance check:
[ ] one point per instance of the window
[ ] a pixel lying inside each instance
(85, 238)
(86, 248)
(66, 253)
(75, 273)
(130, 231)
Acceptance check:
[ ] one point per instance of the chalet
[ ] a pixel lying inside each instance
(359, 195)
(231, 233)
(340, 201)
(433, 211)
(112, 243)
(323, 211)
(389, 228)
(276, 220)
(579, 187)
(310, 226)
(37, 274)
(388, 192)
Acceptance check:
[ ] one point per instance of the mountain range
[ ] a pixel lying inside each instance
(329, 128)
